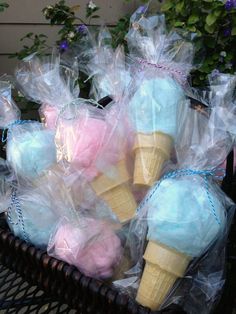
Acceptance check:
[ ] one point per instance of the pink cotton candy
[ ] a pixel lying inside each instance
(81, 140)
(49, 116)
(117, 145)
(92, 247)
(94, 140)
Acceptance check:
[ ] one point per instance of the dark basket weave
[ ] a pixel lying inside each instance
(66, 284)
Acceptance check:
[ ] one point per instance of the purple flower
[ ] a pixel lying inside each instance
(142, 9)
(230, 4)
(64, 45)
(227, 32)
(81, 28)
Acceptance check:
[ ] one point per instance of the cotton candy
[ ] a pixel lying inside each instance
(49, 115)
(38, 219)
(31, 152)
(79, 142)
(155, 105)
(185, 220)
(92, 246)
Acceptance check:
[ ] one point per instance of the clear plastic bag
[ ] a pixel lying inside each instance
(88, 233)
(107, 148)
(36, 208)
(106, 66)
(92, 141)
(186, 218)
(89, 244)
(80, 134)
(115, 164)
(31, 217)
(69, 180)
(111, 77)
(9, 112)
(5, 187)
(46, 81)
(160, 64)
(30, 149)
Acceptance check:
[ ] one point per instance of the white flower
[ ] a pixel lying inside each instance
(71, 35)
(49, 7)
(45, 12)
(223, 54)
(91, 5)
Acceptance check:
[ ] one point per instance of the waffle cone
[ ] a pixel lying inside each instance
(117, 193)
(151, 151)
(163, 267)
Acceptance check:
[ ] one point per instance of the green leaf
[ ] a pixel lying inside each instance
(167, 5)
(179, 24)
(3, 6)
(193, 19)
(233, 33)
(211, 19)
(217, 12)
(209, 29)
(179, 7)
(215, 57)
(192, 28)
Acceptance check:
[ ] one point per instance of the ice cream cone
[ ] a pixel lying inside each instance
(116, 192)
(151, 151)
(163, 266)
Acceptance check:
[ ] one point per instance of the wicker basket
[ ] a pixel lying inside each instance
(66, 284)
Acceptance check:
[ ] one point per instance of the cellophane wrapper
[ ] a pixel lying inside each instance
(81, 132)
(30, 149)
(49, 82)
(88, 236)
(106, 66)
(186, 211)
(160, 63)
(9, 112)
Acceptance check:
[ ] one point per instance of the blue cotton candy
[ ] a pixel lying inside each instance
(182, 218)
(154, 106)
(30, 153)
(38, 221)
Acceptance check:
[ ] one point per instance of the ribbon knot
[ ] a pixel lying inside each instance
(179, 75)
